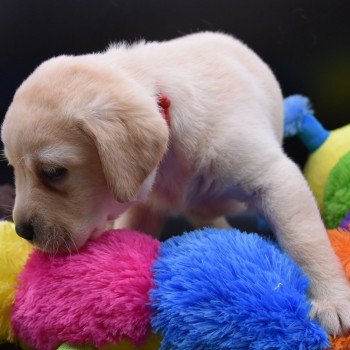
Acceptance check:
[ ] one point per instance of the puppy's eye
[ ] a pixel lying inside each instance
(54, 174)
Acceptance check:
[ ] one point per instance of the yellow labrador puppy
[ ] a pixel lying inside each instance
(88, 139)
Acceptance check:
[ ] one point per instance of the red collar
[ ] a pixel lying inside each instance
(164, 104)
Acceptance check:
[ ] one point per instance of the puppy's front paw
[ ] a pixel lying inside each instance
(333, 315)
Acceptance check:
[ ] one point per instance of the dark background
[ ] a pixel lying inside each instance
(306, 43)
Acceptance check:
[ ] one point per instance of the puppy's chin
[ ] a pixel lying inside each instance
(57, 240)
(54, 249)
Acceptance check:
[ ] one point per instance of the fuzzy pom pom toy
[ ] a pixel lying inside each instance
(340, 239)
(221, 289)
(97, 297)
(14, 253)
(346, 222)
(328, 166)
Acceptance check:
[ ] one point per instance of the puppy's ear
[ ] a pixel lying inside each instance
(130, 146)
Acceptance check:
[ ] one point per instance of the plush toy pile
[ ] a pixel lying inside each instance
(216, 289)
(209, 289)
(328, 167)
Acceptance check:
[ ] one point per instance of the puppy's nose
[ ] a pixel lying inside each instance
(25, 230)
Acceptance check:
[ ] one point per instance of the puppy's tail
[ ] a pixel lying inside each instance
(299, 120)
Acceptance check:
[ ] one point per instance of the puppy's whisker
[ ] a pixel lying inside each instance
(68, 248)
(64, 241)
(45, 246)
(3, 156)
(57, 241)
(6, 206)
(6, 211)
(73, 243)
(53, 240)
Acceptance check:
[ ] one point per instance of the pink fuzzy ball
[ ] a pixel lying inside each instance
(99, 296)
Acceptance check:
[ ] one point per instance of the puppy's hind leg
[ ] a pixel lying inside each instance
(277, 187)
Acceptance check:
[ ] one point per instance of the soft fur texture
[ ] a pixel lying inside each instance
(220, 289)
(98, 297)
(14, 252)
(97, 116)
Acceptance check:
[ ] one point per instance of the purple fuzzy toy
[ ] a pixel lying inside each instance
(346, 222)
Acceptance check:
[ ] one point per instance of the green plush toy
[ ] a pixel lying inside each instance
(328, 166)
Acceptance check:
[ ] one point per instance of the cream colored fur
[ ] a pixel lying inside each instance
(97, 116)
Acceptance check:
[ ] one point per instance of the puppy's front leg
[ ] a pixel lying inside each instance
(282, 193)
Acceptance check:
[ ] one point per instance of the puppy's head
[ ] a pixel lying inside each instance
(82, 140)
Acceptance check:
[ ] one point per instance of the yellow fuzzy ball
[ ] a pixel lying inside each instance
(14, 252)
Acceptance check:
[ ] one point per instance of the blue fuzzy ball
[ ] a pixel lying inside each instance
(221, 289)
